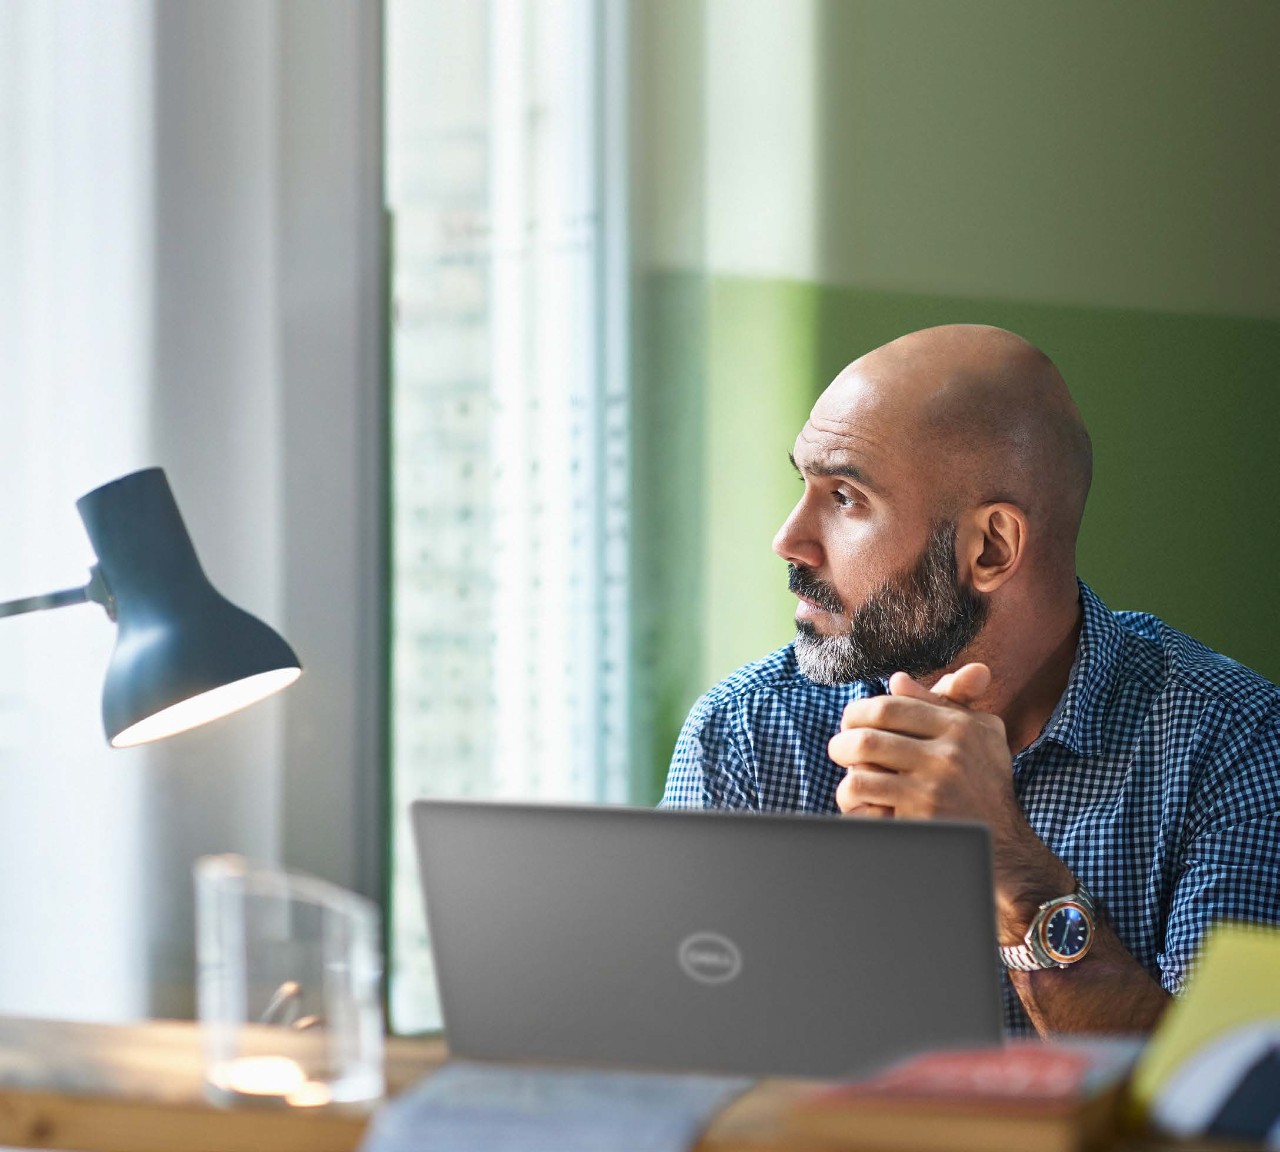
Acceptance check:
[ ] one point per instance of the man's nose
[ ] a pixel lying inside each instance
(795, 542)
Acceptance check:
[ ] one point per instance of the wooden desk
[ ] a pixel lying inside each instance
(138, 1088)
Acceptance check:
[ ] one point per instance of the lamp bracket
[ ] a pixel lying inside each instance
(99, 591)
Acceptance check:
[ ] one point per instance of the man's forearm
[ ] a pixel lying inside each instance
(1107, 991)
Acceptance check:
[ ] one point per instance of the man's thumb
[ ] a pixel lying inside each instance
(964, 685)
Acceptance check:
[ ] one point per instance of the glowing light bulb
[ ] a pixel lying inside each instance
(207, 706)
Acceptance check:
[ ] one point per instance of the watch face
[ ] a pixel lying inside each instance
(1066, 934)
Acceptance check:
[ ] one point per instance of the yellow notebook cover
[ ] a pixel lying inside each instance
(1238, 982)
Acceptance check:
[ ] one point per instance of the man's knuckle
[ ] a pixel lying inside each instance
(991, 724)
(949, 754)
(873, 744)
(855, 791)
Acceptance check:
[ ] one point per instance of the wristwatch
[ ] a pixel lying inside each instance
(1060, 934)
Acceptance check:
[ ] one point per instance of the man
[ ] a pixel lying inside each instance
(948, 664)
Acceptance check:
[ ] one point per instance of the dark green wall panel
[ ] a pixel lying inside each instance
(668, 515)
(1184, 412)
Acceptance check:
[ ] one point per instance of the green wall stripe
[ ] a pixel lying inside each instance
(763, 380)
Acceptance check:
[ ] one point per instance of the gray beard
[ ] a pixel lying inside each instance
(917, 622)
(830, 659)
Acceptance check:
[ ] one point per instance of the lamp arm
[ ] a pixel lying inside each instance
(49, 600)
(96, 590)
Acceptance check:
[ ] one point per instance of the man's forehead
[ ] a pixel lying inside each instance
(829, 452)
(828, 441)
(863, 428)
(846, 421)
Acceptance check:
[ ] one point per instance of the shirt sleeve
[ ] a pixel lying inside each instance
(708, 768)
(1231, 864)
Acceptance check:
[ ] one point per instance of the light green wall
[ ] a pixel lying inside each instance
(764, 360)
(1100, 178)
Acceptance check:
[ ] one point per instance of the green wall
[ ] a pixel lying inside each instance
(1184, 412)
(1182, 521)
(813, 178)
(764, 355)
(669, 500)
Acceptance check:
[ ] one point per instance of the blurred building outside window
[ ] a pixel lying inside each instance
(509, 421)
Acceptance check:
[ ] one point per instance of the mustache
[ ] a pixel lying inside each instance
(802, 582)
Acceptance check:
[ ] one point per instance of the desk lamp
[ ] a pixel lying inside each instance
(184, 654)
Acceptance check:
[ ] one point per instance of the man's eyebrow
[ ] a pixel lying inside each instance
(850, 471)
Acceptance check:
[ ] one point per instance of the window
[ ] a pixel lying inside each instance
(509, 421)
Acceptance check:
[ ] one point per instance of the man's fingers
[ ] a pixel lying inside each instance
(963, 686)
(904, 687)
(866, 787)
(923, 716)
(850, 805)
(875, 746)
(870, 811)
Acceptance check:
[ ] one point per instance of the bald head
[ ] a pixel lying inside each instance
(981, 415)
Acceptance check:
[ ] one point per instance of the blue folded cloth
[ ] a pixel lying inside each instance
(471, 1107)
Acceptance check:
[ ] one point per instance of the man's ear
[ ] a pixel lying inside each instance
(991, 545)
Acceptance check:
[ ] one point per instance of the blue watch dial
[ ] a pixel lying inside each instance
(1067, 934)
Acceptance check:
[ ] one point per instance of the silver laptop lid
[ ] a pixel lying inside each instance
(757, 944)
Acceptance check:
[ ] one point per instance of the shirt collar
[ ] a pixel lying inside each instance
(1078, 722)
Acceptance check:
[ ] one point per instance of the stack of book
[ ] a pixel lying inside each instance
(1025, 1096)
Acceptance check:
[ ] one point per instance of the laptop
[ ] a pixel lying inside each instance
(766, 945)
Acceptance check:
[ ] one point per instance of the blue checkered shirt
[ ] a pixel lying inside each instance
(1156, 780)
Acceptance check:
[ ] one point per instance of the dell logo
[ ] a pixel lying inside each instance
(710, 958)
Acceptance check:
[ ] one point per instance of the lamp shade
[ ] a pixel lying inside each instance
(184, 654)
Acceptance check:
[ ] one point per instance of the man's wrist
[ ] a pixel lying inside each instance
(1061, 934)
(1019, 896)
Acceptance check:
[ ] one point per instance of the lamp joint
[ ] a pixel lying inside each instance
(99, 591)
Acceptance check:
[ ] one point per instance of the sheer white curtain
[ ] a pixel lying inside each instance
(190, 264)
(75, 376)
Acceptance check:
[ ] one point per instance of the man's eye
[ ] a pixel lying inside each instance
(844, 499)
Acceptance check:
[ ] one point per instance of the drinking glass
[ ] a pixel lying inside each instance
(289, 972)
